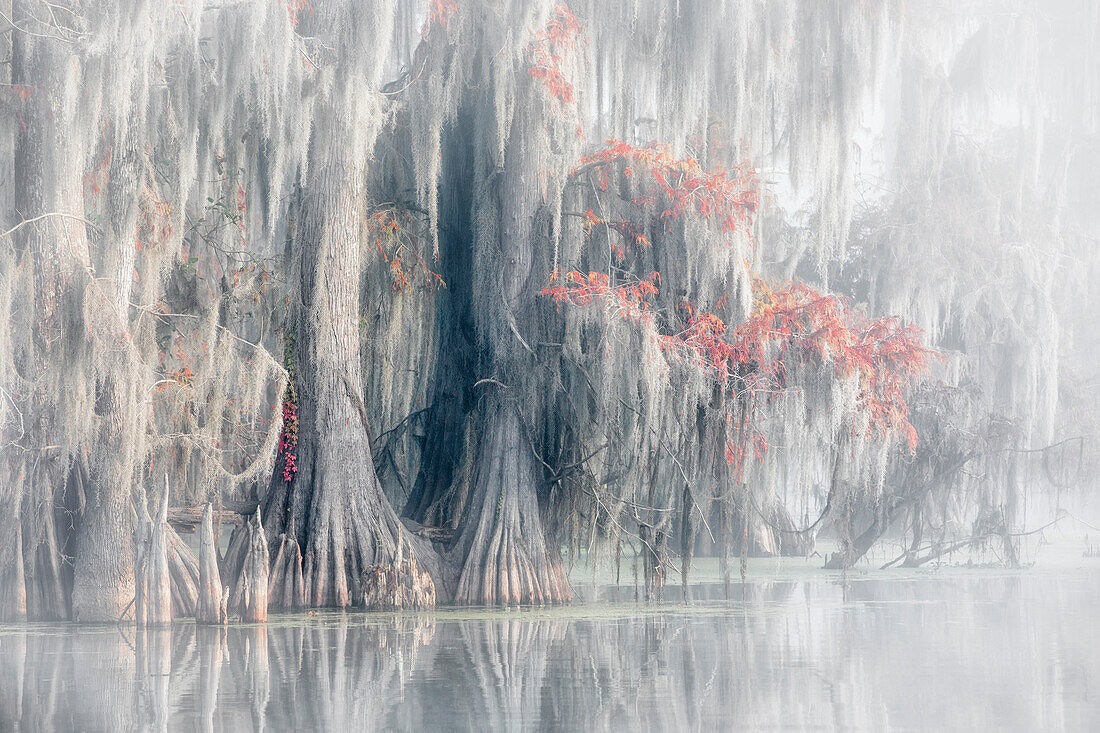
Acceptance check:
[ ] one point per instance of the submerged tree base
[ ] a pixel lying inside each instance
(500, 544)
(399, 586)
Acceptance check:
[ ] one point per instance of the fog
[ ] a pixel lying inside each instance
(523, 364)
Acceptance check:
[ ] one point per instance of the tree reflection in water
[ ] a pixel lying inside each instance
(879, 654)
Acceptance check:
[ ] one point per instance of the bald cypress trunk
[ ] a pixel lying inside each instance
(501, 548)
(47, 173)
(103, 568)
(103, 582)
(331, 503)
(431, 501)
(500, 545)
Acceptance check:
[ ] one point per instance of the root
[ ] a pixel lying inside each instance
(500, 545)
(287, 586)
(350, 531)
(152, 584)
(399, 586)
(183, 572)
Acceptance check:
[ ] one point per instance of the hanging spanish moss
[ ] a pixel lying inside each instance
(423, 302)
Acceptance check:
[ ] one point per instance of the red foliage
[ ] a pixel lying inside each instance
(729, 198)
(294, 10)
(439, 12)
(398, 245)
(288, 438)
(798, 322)
(737, 451)
(795, 323)
(632, 298)
(561, 34)
(752, 362)
(891, 354)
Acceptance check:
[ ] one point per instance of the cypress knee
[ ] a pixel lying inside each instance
(250, 594)
(212, 598)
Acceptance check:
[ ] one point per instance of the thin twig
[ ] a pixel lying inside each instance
(47, 215)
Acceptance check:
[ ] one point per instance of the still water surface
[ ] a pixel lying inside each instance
(946, 651)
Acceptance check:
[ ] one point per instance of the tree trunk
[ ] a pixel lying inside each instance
(103, 585)
(332, 506)
(916, 522)
(117, 348)
(213, 597)
(431, 502)
(13, 589)
(687, 537)
(500, 546)
(1009, 536)
(726, 523)
(47, 187)
(654, 560)
(853, 550)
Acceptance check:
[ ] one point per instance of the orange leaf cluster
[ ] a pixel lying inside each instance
(439, 12)
(397, 244)
(727, 197)
(561, 34)
(294, 10)
(632, 298)
(798, 322)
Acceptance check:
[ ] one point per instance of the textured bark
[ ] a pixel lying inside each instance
(213, 598)
(333, 509)
(47, 183)
(287, 583)
(13, 589)
(188, 518)
(251, 592)
(287, 579)
(116, 444)
(104, 565)
(152, 583)
(431, 501)
(500, 546)
(183, 572)
(397, 587)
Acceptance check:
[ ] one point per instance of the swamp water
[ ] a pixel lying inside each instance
(953, 649)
